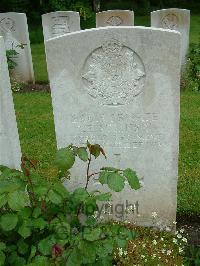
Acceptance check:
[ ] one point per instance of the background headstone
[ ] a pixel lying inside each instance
(174, 19)
(115, 18)
(58, 23)
(112, 89)
(10, 153)
(14, 29)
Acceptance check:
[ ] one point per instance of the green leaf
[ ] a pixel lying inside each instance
(3, 200)
(46, 244)
(36, 212)
(105, 248)
(25, 213)
(8, 221)
(73, 259)
(2, 258)
(54, 197)
(103, 177)
(103, 196)
(61, 190)
(16, 260)
(32, 254)
(132, 178)
(7, 186)
(80, 194)
(22, 247)
(40, 261)
(39, 223)
(63, 230)
(82, 154)
(65, 159)
(92, 234)
(2, 246)
(17, 200)
(115, 182)
(24, 230)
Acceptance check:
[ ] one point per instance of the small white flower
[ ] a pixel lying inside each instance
(142, 256)
(154, 242)
(120, 252)
(182, 231)
(175, 222)
(154, 255)
(184, 239)
(154, 214)
(169, 252)
(174, 240)
(179, 236)
(144, 245)
(168, 229)
(163, 251)
(125, 253)
(180, 250)
(162, 239)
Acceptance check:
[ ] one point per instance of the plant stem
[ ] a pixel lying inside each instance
(88, 169)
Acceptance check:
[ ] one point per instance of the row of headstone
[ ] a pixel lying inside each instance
(10, 153)
(14, 29)
(119, 87)
(58, 23)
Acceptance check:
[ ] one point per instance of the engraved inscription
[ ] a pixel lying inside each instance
(113, 74)
(114, 21)
(7, 25)
(170, 22)
(60, 25)
(113, 131)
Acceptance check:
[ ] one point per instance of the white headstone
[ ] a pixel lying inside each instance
(14, 29)
(174, 19)
(10, 153)
(112, 89)
(58, 23)
(115, 18)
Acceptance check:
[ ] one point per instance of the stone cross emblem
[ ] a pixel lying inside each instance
(114, 21)
(7, 25)
(170, 22)
(113, 74)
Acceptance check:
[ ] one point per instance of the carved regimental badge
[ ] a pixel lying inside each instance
(113, 74)
(170, 22)
(7, 25)
(114, 21)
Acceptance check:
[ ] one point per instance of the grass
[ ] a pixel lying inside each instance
(37, 136)
(39, 63)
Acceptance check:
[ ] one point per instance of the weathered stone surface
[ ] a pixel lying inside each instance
(115, 18)
(58, 23)
(174, 19)
(119, 87)
(10, 153)
(14, 29)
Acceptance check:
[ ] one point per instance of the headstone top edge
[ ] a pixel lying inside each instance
(117, 28)
(171, 9)
(60, 12)
(12, 13)
(115, 10)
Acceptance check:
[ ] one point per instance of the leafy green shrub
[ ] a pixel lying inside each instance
(192, 71)
(192, 256)
(42, 223)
